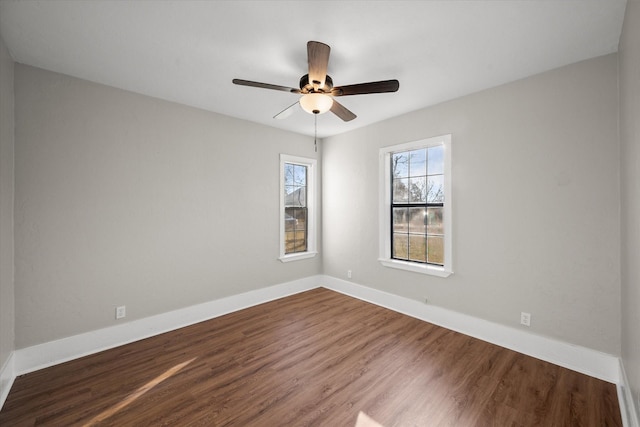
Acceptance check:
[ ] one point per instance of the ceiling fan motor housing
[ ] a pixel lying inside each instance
(308, 87)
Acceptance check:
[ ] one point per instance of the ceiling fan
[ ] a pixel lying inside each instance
(317, 88)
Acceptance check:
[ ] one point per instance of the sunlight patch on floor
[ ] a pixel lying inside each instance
(135, 395)
(366, 421)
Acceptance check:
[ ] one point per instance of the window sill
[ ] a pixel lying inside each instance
(298, 256)
(416, 268)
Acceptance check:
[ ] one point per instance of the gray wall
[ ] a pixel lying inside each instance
(630, 176)
(123, 199)
(6, 206)
(535, 196)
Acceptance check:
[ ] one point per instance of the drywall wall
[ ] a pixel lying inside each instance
(536, 204)
(6, 206)
(630, 176)
(123, 199)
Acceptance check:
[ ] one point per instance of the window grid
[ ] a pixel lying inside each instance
(296, 214)
(417, 202)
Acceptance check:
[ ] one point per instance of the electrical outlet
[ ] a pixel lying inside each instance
(525, 319)
(121, 312)
(348, 274)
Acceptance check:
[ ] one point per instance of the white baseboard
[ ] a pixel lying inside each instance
(587, 361)
(628, 408)
(7, 376)
(580, 359)
(54, 352)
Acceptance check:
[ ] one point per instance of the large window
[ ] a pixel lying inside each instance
(415, 227)
(297, 208)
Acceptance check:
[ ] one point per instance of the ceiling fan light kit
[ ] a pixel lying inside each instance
(317, 88)
(316, 103)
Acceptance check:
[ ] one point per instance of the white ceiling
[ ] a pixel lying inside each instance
(189, 51)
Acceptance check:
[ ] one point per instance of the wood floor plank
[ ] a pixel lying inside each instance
(313, 359)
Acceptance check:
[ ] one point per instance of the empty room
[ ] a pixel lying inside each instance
(320, 213)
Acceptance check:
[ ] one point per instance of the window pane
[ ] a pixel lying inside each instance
(434, 221)
(418, 162)
(400, 220)
(295, 196)
(436, 160)
(435, 247)
(417, 189)
(288, 174)
(295, 181)
(400, 246)
(289, 241)
(435, 189)
(289, 222)
(400, 190)
(301, 219)
(417, 220)
(400, 165)
(288, 200)
(300, 175)
(290, 218)
(295, 225)
(417, 247)
(301, 241)
(295, 241)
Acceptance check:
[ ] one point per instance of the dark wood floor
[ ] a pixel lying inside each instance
(312, 359)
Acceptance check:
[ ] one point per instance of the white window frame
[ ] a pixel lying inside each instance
(385, 208)
(311, 165)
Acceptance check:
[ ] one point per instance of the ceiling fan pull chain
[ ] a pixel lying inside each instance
(315, 132)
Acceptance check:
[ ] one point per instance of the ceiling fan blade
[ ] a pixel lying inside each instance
(264, 85)
(342, 112)
(364, 88)
(318, 57)
(286, 112)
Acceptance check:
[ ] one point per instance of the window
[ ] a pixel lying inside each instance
(297, 208)
(415, 208)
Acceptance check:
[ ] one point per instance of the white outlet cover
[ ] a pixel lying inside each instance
(121, 312)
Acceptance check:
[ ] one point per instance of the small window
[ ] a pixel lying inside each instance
(297, 208)
(415, 227)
